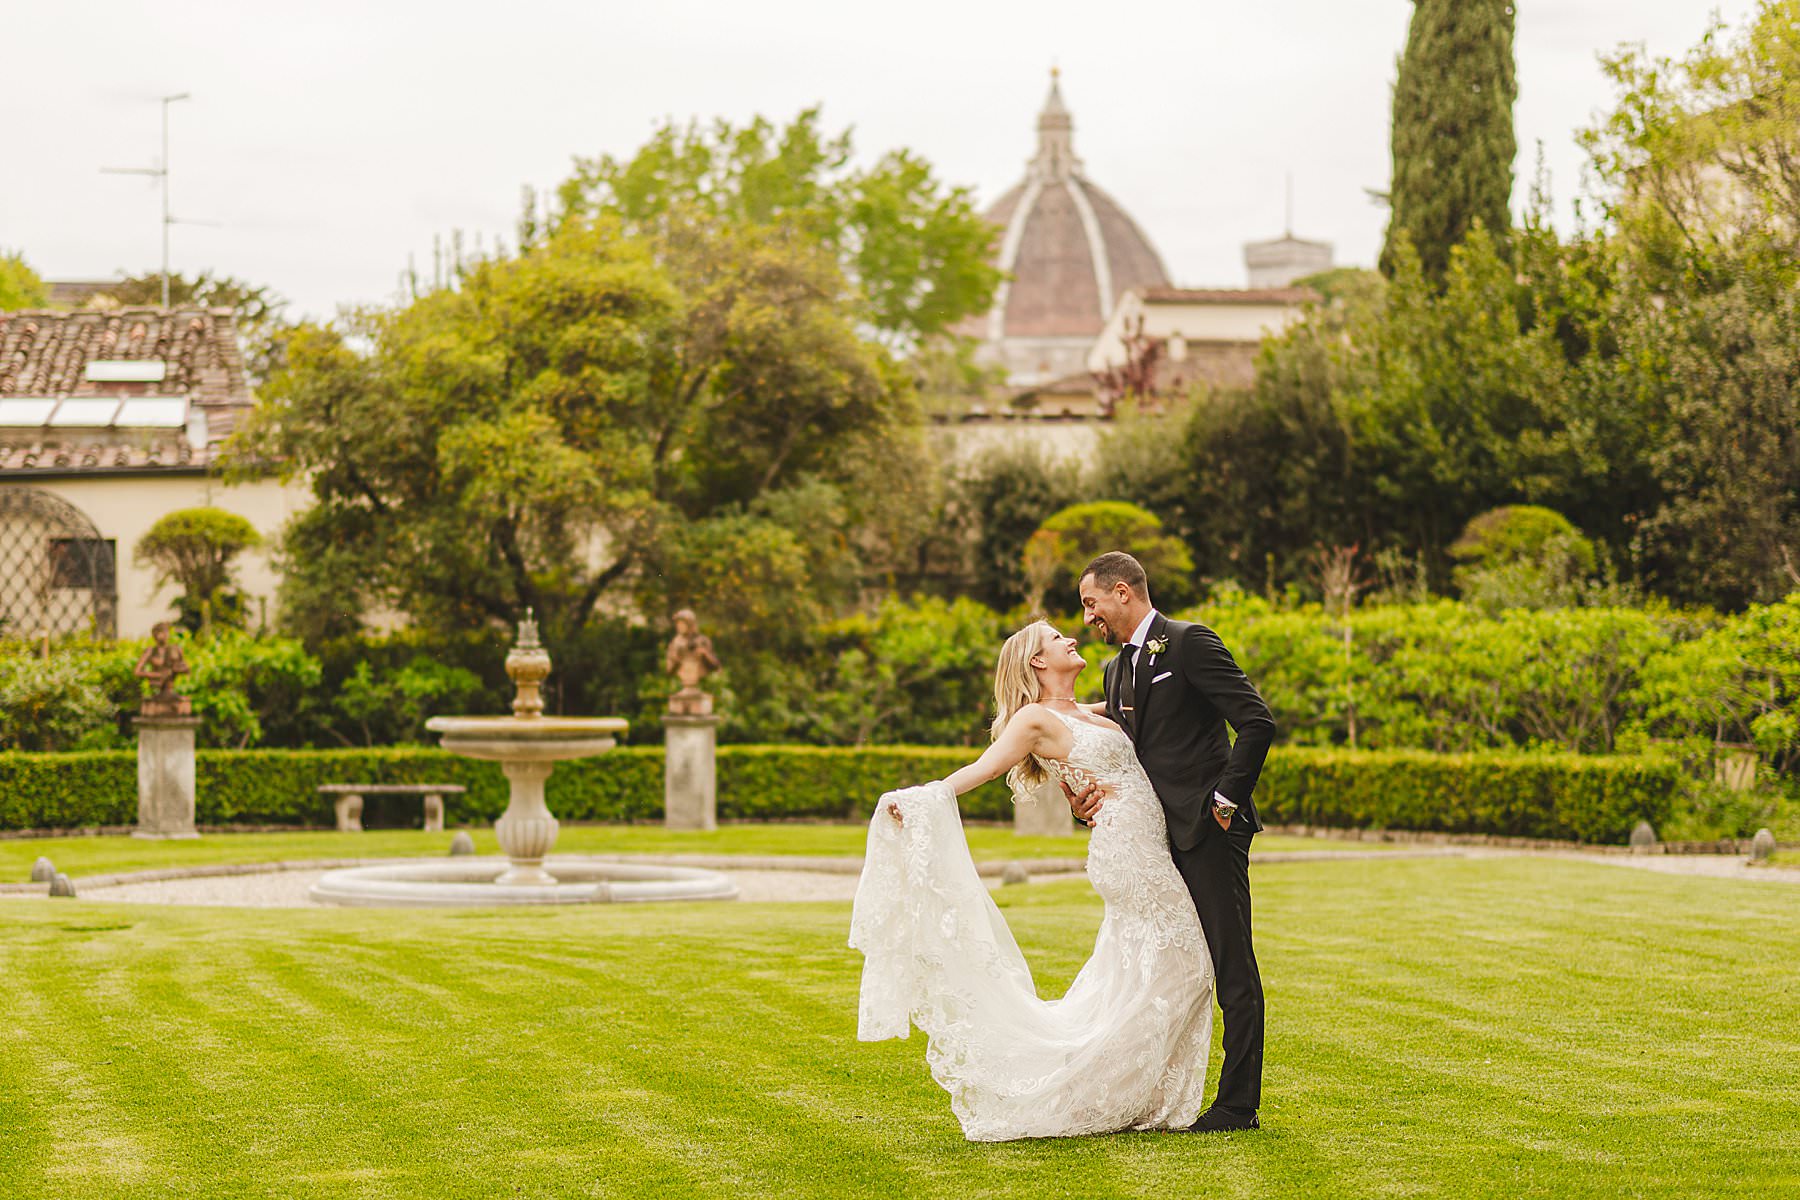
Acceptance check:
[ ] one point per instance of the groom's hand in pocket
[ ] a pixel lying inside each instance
(1085, 804)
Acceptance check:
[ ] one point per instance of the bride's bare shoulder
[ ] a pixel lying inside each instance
(1042, 722)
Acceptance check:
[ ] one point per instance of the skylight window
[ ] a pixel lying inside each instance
(84, 412)
(160, 413)
(28, 411)
(120, 370)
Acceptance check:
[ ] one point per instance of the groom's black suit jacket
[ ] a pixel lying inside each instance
(1176, 717)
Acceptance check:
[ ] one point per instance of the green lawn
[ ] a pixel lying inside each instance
(1496, 1027)
(78, 856)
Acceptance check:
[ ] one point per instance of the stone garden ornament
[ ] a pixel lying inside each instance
(690, 659)
(161, 663)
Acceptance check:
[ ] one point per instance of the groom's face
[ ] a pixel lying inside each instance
(1103, 610)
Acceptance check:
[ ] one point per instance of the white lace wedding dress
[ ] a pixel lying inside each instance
(1126, 1046)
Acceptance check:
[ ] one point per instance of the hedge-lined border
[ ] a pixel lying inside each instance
(1557, 796)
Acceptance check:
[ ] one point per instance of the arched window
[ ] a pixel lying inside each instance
(57, 574)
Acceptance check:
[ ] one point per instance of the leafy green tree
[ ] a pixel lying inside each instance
(551, 432)
(916, 252)
(1141, 460)
(1700, 155)
(1257, 480)
(1001, 497)
(1728, 532)
(1465, 407)
(948, 378)
(195, 550)
(1702, 162)
(20, 286)
(1452, 138)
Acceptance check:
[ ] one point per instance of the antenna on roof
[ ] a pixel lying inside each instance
(161, 172)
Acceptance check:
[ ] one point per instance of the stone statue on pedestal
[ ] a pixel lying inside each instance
(690, 730)
(165, 727)
(690, 659)
(161, 662)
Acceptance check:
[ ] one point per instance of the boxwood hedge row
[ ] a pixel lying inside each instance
(1583, 797)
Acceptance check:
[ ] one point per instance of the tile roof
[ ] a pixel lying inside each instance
(44, 352)
(47, 353)
(25, 451)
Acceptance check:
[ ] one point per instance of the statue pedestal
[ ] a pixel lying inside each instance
(1047, 815)
(166, 777)
(690, 772)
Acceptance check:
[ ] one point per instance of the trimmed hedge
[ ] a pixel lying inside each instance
(280, 787)
(1583, 797)
(1588, 798)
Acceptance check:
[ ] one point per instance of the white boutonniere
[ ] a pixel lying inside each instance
(1155, 646)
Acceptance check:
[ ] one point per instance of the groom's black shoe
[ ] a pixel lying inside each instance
(1223, 1120)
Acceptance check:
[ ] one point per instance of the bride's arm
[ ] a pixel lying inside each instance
(1024, 734)
(1030, 731)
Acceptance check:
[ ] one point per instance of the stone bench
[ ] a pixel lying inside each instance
(349, 801)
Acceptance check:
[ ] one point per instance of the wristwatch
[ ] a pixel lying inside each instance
(1223, 807)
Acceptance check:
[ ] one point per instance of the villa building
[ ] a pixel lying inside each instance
(110, 419)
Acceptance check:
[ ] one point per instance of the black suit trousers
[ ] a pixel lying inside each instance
(1217, 874)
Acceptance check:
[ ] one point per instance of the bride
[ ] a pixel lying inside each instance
(1126, 1046)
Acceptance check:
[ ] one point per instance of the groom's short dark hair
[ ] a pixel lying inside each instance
(1116, 566)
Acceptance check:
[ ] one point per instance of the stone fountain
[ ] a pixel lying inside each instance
(527, 745)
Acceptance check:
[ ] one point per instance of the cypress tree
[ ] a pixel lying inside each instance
(1452, 140)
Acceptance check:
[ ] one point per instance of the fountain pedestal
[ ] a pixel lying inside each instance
(526, 830)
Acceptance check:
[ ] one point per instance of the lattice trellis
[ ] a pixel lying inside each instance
(57, 574)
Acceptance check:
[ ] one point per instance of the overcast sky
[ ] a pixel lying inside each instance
(331, 140)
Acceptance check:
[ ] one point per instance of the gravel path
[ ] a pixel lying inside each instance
(1713, 866)
(764, 879)
(288, 889)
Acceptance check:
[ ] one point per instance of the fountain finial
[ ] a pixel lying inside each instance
(528, 665)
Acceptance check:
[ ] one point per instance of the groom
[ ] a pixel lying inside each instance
(1173, 687)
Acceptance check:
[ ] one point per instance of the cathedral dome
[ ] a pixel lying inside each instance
(1071, 252)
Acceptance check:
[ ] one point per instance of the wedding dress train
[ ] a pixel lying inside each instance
(1125, 1047)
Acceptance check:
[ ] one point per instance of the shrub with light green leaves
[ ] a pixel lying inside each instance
(51, 704)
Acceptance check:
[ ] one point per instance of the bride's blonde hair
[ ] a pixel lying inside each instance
(1015, 686)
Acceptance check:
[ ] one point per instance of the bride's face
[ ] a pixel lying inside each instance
(1059, 655)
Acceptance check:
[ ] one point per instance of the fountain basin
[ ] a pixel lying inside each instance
(528, 739)
(466, 883)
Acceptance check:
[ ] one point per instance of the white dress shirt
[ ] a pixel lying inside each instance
(1137, 639)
